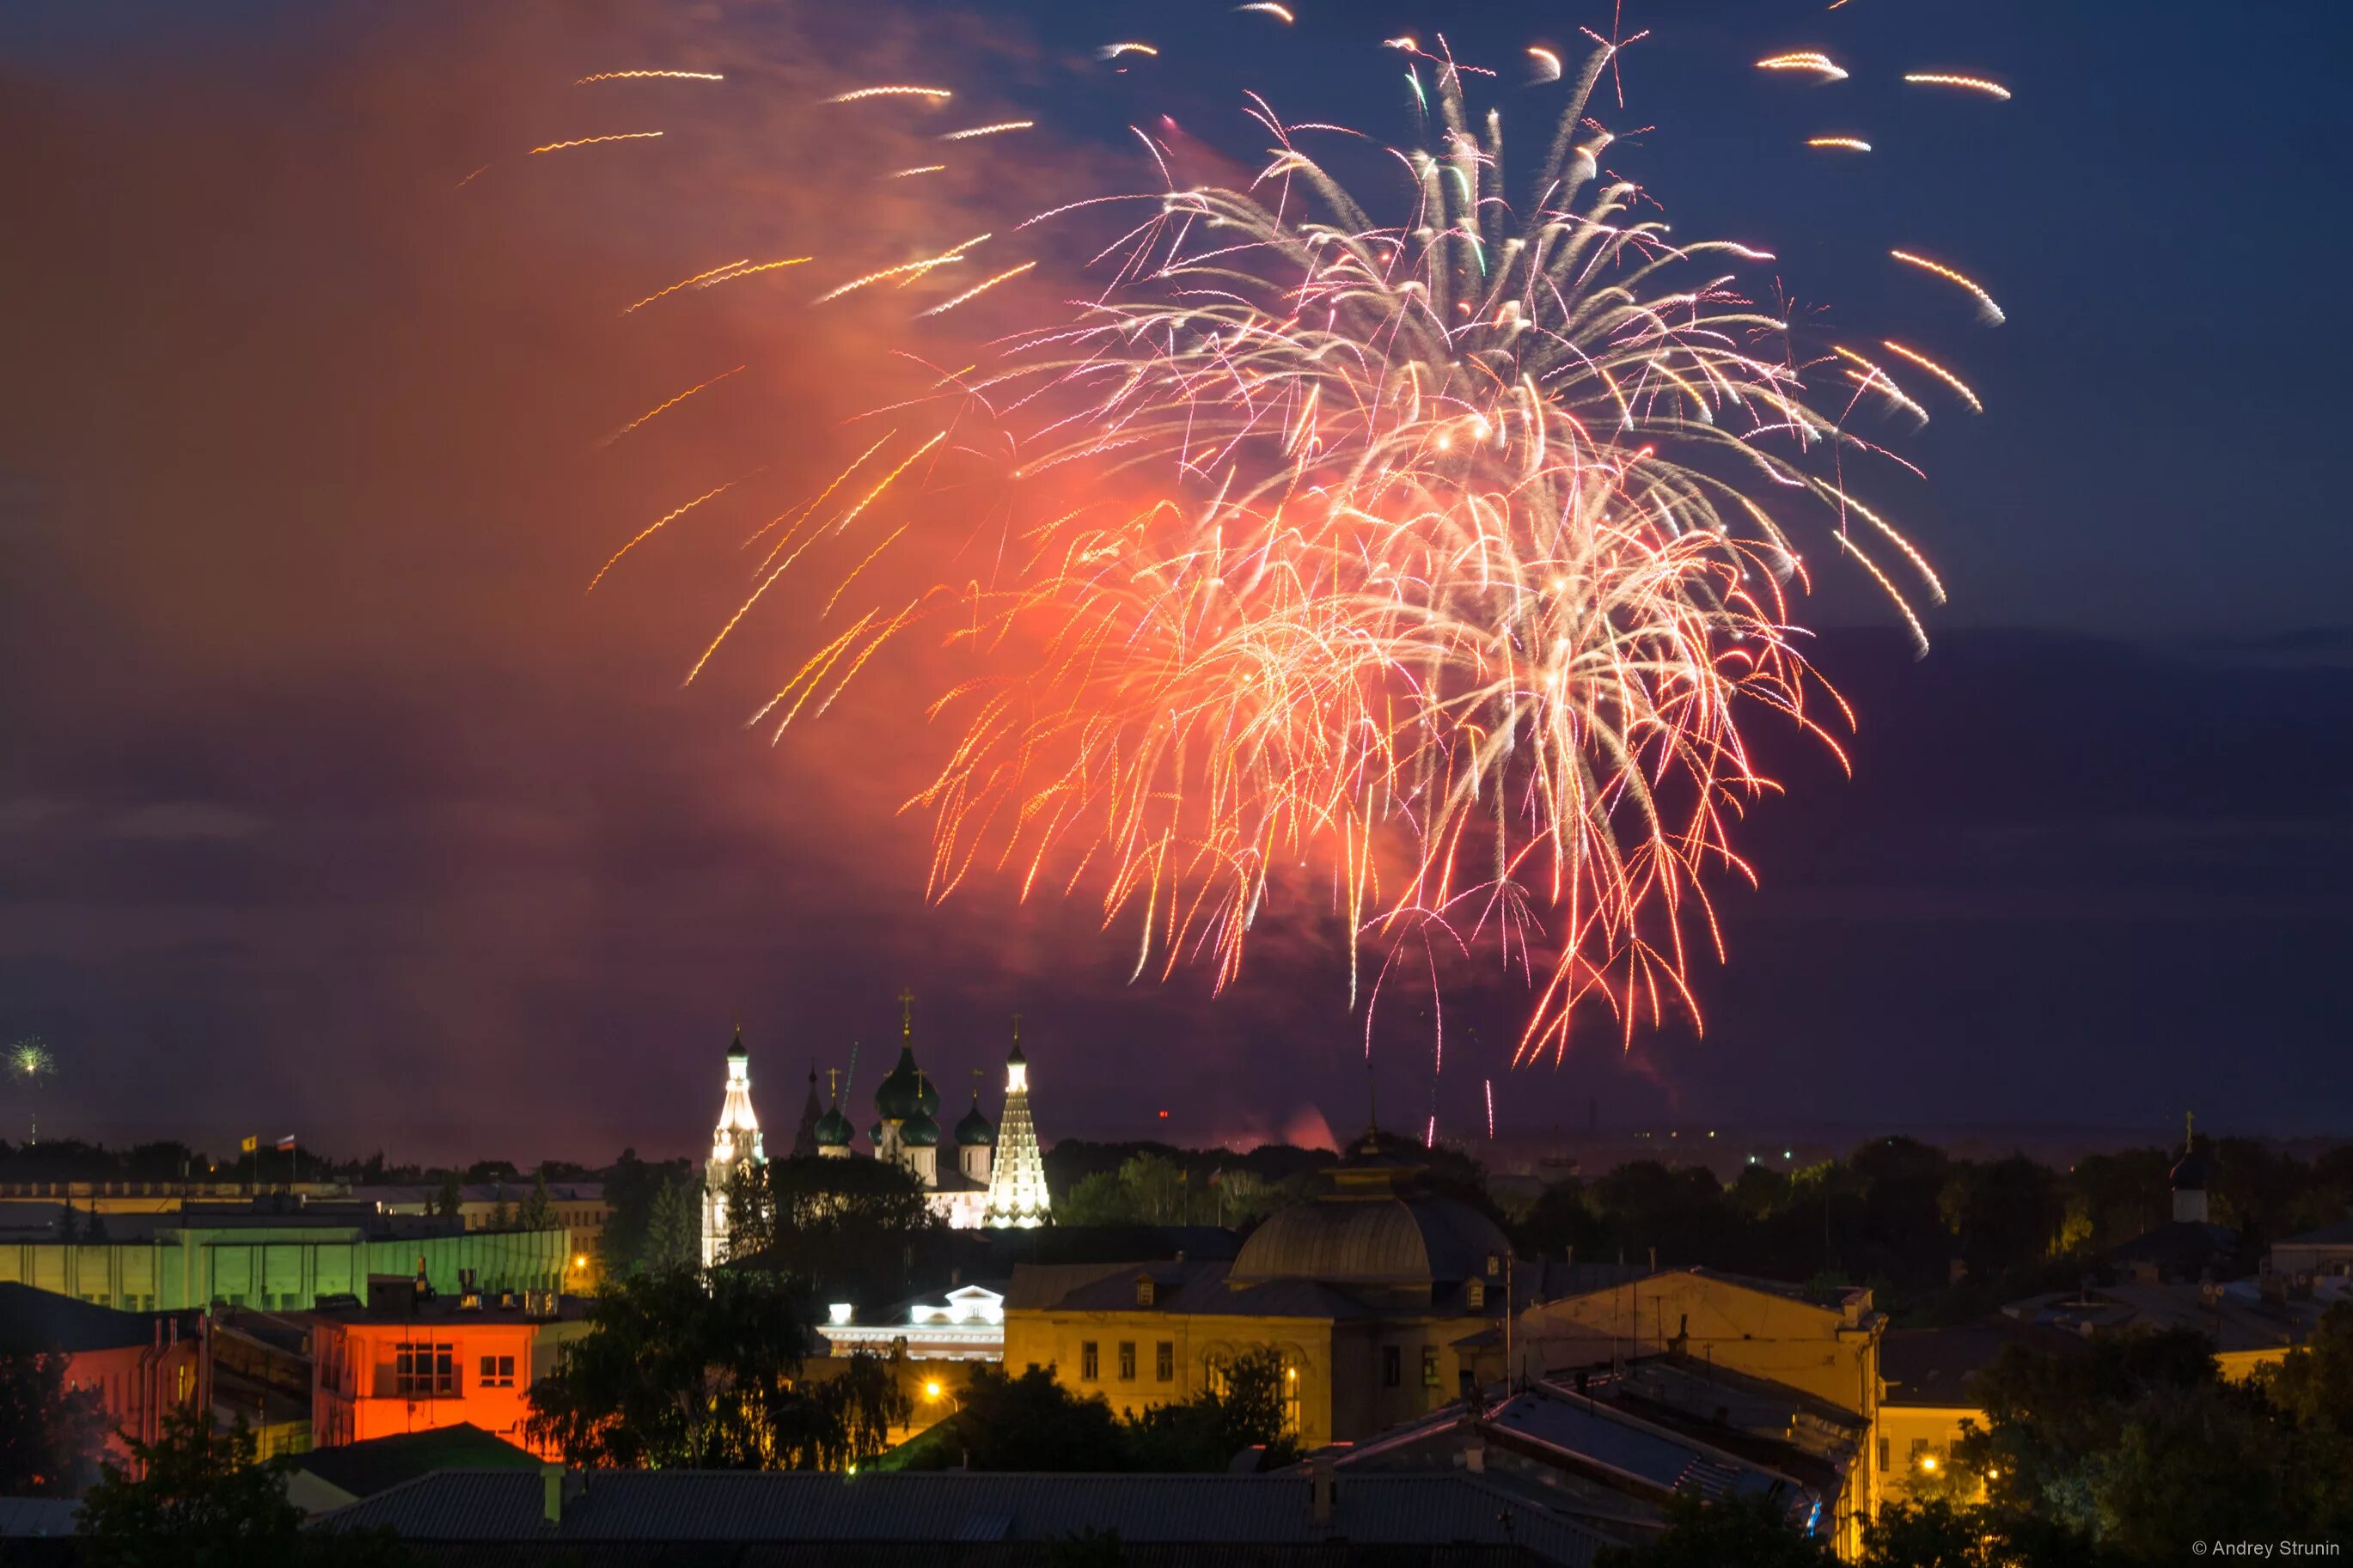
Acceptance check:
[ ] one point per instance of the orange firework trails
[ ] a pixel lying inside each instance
(1460, 565)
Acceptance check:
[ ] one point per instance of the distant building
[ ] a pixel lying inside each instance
(1017, 1180)
(2250, 1331)
(734, 1142)
(143, 1365)
(998, 1177)
(1363, 1292)
(412, 1361)
(579, 1206)
(966, 1323)
(2316, 1255)
(275, 1252)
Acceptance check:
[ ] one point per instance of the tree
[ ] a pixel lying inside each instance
(2314, 1385)
(50, 1440)
(1031, 1422)
(201, 1503)
(537, 1212)
(674, 1229)
(849, 1230)
(451, 1203)
(632, 1188)
(1205, 1433)
(1942, 1533)
(683, 1370)
(1741, 1532)
(751, 1210)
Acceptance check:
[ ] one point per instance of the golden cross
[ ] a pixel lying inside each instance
(906, 1011)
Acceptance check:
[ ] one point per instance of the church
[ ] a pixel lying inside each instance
(996, 1175)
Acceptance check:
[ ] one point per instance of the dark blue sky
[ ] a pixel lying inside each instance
(327, 806)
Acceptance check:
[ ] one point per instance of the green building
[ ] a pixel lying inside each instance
(248, 1255)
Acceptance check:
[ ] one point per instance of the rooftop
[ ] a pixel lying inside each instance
(364, 1469)
(969, 1510)
(1932, 1367)
(36, 1319)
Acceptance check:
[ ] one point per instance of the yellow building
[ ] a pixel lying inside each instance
(1364, 1290)
(1824, 1343)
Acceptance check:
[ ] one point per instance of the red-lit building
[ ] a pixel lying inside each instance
(143, 1364)
(412, 1361)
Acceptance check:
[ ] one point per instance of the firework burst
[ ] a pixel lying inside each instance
(1462, 564)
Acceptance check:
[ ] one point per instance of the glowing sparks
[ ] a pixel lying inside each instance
(657, 526)
(1819, 64)
(1965, 83)
(596, 141)
(1490, 1111)
(683, 283)
(650, 76)
(1001, 126)
(920, 169)
(752, 269)
(1842, 144)
(1939, 372)
(902, 270)
(937, 94)
(1447, 559)
(1113, 51)
(1268, 7)
(979, 288)
(1548, 63)
(665, 407)
(1987, 308)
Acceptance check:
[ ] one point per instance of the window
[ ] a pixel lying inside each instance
(1089, 1364)
(1392, 1366)
(1163, 1362)
(1127, 1360)
(498, 1371)
(420, 1371)
(1430, 1366)
(1144, 1290)
(1919, 1447)
(1882, 1456)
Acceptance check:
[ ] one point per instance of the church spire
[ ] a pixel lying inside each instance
(1017, 1180)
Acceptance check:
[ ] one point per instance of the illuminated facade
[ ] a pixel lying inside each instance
(967, 1324)
(1017, 1177)
(737, 1139)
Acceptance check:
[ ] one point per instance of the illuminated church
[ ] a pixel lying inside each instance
(996, 1176)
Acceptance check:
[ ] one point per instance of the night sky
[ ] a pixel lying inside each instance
(330, 802)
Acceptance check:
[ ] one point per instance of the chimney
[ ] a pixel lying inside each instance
(1321, 1488)
(551, 1486)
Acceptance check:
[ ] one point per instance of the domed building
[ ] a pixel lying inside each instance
(1367, 1292)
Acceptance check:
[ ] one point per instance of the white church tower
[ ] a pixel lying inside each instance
(735, 1141)
(1017, 1177)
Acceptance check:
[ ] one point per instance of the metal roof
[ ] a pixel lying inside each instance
(22, 1518)
(649, 1506)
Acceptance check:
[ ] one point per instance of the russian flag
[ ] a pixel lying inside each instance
(286, 1144)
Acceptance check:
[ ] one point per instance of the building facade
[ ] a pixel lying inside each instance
(143, 1366)
(1366, 1293)
(412, 1361)
(734, 1142)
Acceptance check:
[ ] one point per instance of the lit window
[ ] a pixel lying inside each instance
(1089, 1364)
(1430, 1366)
(420, 1371)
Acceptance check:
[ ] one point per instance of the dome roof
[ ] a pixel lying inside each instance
(906, 1092)
(2189, 1174)
(975, 1129)
(832, 1129)
(1368, 1230)
(736, 1051)
(919, 1132)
